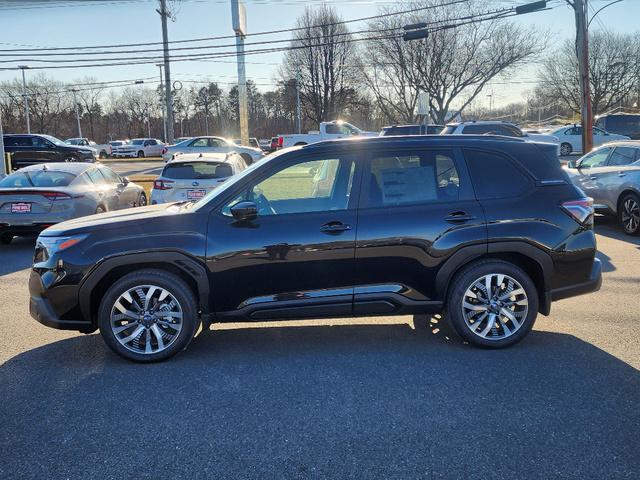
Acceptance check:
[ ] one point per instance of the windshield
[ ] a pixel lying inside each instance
(39, 178)
(238, 178)
(54, 140)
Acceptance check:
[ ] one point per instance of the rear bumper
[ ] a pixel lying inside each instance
(591, 285)
(41, 309)
(24, 230)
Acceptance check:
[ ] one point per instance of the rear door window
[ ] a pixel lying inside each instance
(415, 178)
(495, 176)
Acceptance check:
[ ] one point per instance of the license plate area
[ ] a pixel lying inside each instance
(21, 207)
(196, 194)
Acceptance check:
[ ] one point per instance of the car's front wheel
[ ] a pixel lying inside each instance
(492, 304)
(565, 149)
(149, 315)
(629, 214)
(142, 200)
(140, 154)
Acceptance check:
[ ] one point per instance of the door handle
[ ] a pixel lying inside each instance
(459, 217)
(622, 174)
(335, 227)
(593, 177)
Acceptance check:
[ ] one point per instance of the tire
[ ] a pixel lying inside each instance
(140, 154)
(472, 317)
(103, 155)
(142, 200)
(100, 209)
(247, 158)
(147, 329)
(70, 159)
(629, 214)
(6, 238)
(565, 149)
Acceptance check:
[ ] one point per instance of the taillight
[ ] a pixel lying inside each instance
(55, 196)
(580, 210)
(164, 150)
(280, 142)
(163, 184)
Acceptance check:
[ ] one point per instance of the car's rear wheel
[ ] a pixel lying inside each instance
(140, 154)
(148, 316)
(103, 154)
(629, 214)
(70, 159)
(100, 209)
(142, 200)
(492, 304)
(565, 149)
(6, 238)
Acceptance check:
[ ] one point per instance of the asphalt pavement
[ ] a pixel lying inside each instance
(365, 398)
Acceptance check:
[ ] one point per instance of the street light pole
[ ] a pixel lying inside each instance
(298, 112)
(167, 71)
(75, 102)
(24, 95)
(239, 24)
(164, 120)
(580, 8)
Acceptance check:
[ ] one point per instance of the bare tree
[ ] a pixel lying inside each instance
(452, 65)
(323, 60)
(89, 97)
(613, 72)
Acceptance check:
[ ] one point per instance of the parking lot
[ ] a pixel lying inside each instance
(363, 398)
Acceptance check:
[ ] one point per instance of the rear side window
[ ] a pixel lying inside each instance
(420, 177)
(96, 177)
(18, 141)
(495, 176)
(622, 156)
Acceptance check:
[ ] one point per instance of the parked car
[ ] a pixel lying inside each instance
(570, 138)
(611, 176)
(191, 176)
(627, 124)
(253, 142)
(417, 129)
(488, 228)
(181, 139)
(28, 149)
(114, 144)
(328, 131)
(36, 197)
(493, 127)
(265, 145)
(140, 147)
(101, 150)
(273, 144)
(212, 145)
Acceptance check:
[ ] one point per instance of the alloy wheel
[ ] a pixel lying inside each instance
(146, 319)
(495, 306)
(630, 215)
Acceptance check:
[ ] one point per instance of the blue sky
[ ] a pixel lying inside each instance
(136, 21)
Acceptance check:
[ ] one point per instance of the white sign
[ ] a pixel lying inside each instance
(423, 103)
(239, 17)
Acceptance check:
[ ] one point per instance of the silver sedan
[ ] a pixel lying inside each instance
(36, 197)
(611, 176)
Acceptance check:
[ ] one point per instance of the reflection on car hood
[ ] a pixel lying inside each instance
(111, 220)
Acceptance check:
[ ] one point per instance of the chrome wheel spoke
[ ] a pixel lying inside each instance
(146, 319)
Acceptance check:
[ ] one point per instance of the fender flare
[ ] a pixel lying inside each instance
(185, 263)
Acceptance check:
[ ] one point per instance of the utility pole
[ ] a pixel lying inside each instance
(580, 8)
(24, 95)
(239, 23)
(3, 161)
(164, 119)
(75, 102)
(298, 110)
(167, 71)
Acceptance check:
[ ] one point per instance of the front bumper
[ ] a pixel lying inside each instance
(593, 284)
(41, 309)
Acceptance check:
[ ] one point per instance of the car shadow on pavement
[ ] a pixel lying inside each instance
(322, 402)
(608, 226)
(17, 255)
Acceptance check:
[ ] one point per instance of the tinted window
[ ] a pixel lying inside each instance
(311, 186)
(194, 170)
(404, 130)
(622, 156)
(18, 141)
(40, 142)
(200, 143)
(423, 177)
(96, 177)
(136, 142)
(38, 178)
(597, 158)
(448, 130)
(110, 175)
(495, 176)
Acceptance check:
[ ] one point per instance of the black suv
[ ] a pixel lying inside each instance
(27, 149)
(487, 229)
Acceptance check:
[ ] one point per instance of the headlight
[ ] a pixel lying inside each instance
(51, 245)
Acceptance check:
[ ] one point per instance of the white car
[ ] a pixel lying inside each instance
(493, 127)
(192, 176)
(101, 150)
(140, 147)
(211, 145)
(570, 137)
(327, 131)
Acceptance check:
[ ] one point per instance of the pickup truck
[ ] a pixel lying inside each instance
(328, 131)
(102, 150)
(140, 147)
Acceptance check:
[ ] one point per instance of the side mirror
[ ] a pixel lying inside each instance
(125, 181)
(245, 211)
(572, 164)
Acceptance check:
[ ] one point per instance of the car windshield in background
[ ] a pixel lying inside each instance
(37, 179)
(73, 141)
(194, 170)
(136, 142)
